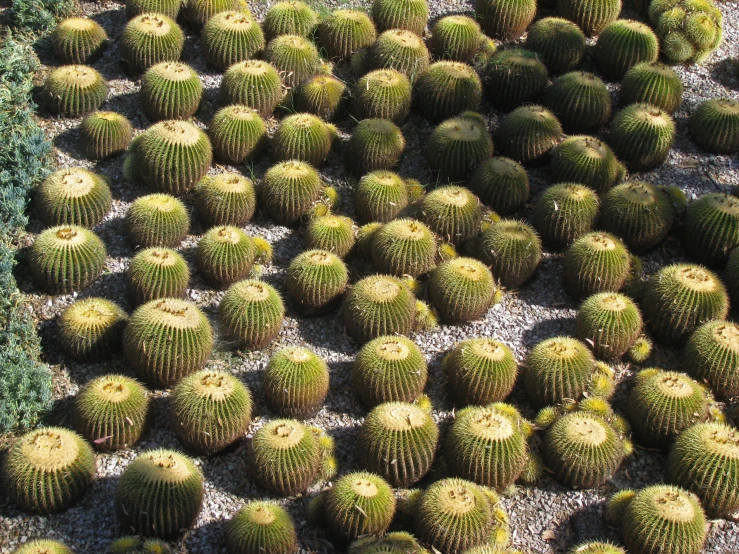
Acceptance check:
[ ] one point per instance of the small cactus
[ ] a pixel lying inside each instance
(111, 412)
(559, 43)
(585, 160)
(688, 31)
(90, 330)
(404, 247)
(400, 50)
(642, 135)
(596, 262)
(640, 351)
(456, 146)
(170, 8)
(411, 15)
(225, 199)
(616, 506)
(322, 95)
(565, 212)
(715, 126)
(199, 12)
(261, 527)
(295, 382)
(157, 220)
(652, 83)
(505, 20)
(157, 273)
(383, 94)
(453, 213)
(623, 44)
(104, 134)
(48, 470)
(610, 323)
(528, 133)
(389, 369)
(711, 228)
(230, 37)
(289, 190)
(514, 76)
(303, 137)
(78, 40)
(334, 233)
(160, 494)
(74, 90)
(255, 84)
(251, 312)
(42, 546)
(581, 102)
(316, 280)
(456, 38)
(290, 18)
(462, 290)
(74, 196)
(380, 196)
(502, 184)
(170, 90)
(66, 259)
(447, 88)
(592, 16)
(295, 57)
(134, 544)
(225, 255)
(512, 249)
(711, 355)
(148, 39)
(374, 144)
(344, 32)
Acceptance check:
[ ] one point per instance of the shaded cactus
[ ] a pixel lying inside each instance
(398, 442)
(592, 16)
(528, 133)
(411, 15)
(456, 38)
(134, 544)
(514, 76)
(74, 90)
(610, 323)
(688, 31)
(148, 39)
(303, 137)
(167, 339)
(225, 199)
(400, 50)
(157, 273)
(157, 220)
(251, 313)
(585, 160)
(456, 146)
(642, 135)
(681, 297)
(616, 506)
(111, 412)
(334, 233)
(623, 44)
(170, 8)
(380, 196)
(78, 40)
(160, 493)
(237, 133)
(581, 102)
(90, 329)
(295, 57)
(290, 18)
(512, 249)
(322, 95)
(505, 19)
(462, 290)
(261, 527)
(289, 190)
(389, 369)
(638, 212)
(170, 90)
(711, 355)
(596, 262)
(712, 228)
(565, 212)
(715, 126)
(447, 88)
(453, 213)
(230, 37)
(74, 196)
(374, 144)
(316, 280)
(295, 382)
(66, 259)
(225, 255)
(652, 83)
(502, 184)
(48, 470)
(344, 32)
(404, 247)
(104, 134)
(559, 43)
(255, 84)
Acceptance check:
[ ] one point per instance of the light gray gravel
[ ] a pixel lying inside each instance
(544, 519)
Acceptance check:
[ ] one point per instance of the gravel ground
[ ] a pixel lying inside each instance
(547, 518)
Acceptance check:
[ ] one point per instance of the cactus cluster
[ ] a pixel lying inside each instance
(565, 212)
(74, 90)
(610, 322)
(261, 526)
(150, 38)
(251, 313)
(512, 249)
(581, 101)
(104, 134)
(456, 146)
(157, 220)
(688, 30)
(374, 144)
(455, 37)
(255, 84)
(322, 95)
(78, 40)
(596, 262)
(528, 133)
(715, 125)
(90, 330)
(230, 37)
(74, 196)
(559, 43)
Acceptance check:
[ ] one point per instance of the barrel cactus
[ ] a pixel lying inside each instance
(295, 382)
(148, 39)
(90, 330)
(225, 199)
(383, 94)
(230, 37)
(581, 101)
(565, 212)
(251, 313)
(170, 90)
(105, 134)
(157, 220)
(255, 84)
(78, 40)
(74, 90)
(73, 196)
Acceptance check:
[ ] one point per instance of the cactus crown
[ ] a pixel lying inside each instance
(284, 434)
(49, 450)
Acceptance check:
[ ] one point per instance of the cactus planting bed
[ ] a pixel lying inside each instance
(545, 518)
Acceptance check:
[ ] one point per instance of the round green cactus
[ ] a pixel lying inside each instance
(592, 16)
(454, 515)
(688, 30)
(295, 57)
(170, 90)
(148, 39)
(384, 94)
(322, 95)
(74, 196)
(565, 212)
(225, 255)
(559, 43)
(285, 457)
(557, 369)
(160, 494)
(104, 134)
(639, 213)
(389, 369)
(78, 40)
(261, 527)
(290, 18)
(642, 135)
(66, 259)
(502, 184)
(157, 220)
(48, 470)
(447, 88)
(456, 38)
(378, 305)
(199, 12)
(237, 133)
(462, 290)
(585, 160)
(398, 442)
(134, 544)
(581, 101)
(596, 262)
(663, 518)
(170, 8)
(43, 546)
(681, 297)
(731, 276)
(411, 15)
(210, 410)
(453, 213)
(715, 126)
(596, 548)
(111, 412)
(705, 460)
(289, 190)
(303, 137)
(157, 273)
(167, 339)
(380, 196)
(225, 199)
(230, 37)
(616, 506)
(251, 312)
(334, 233)
(480, 371)
(712, 356)
(397, 542)
(316, 280)
(295, 382)
(652, 83)
(505, 20)
(640, 350)
(400, 50)
(172, 156)
(252, 83)
(624, 44)
(514, 76)
(90, 330)
(404, 247)
(458, 145)
(528, 133)
(74, 90)
(582, 449)
(664, 403)
(374, 144)
(512, 249)
(610, 322)
(712, 228)
(344, 32)
(487, 446)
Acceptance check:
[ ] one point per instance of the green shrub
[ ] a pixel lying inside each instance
(35, 16)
